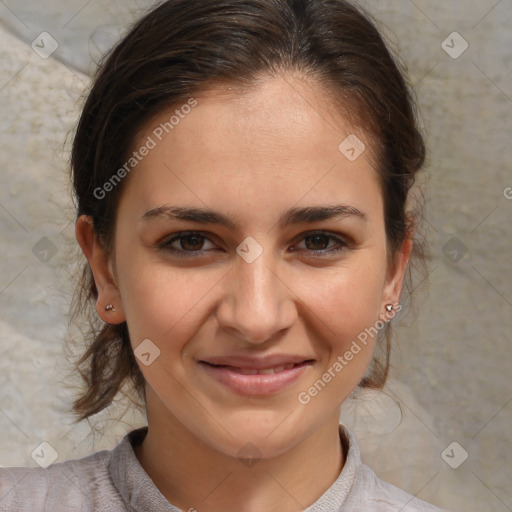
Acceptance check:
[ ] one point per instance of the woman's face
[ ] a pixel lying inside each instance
(253, 288)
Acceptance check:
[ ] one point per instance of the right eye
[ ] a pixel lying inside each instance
(190, 242)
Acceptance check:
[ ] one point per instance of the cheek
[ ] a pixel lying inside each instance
(346, 299)
(161, 301)
(347, 305)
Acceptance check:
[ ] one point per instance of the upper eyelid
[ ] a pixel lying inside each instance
(182, 234)
(328, 234)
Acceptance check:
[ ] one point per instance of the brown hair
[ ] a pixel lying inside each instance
(185, 46)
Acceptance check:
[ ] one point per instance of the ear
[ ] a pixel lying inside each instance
(101, 266)
(396, 274)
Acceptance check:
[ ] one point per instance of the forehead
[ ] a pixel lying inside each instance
(283, 110)
(281, 134)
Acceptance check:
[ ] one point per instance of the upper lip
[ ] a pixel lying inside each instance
(256, 363)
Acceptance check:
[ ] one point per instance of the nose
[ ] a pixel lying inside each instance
(258, 304)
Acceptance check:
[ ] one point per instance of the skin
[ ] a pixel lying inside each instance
(250, 156)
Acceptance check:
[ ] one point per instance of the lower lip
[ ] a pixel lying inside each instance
(259, 384)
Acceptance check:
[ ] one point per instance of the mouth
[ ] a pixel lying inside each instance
(256, 377)
(263, 371)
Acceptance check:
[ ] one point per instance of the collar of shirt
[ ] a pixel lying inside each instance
(140, 493)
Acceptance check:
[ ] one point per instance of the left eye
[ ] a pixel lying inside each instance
(192, 243)
(189, 242)
(322, 239)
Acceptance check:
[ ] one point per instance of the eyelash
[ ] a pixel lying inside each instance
(181, 253)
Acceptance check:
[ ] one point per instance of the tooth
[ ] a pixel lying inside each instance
(265, 371)
(247, 371)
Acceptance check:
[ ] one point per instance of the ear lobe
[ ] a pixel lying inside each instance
(99, 262)
(110, 310)
(396, 273)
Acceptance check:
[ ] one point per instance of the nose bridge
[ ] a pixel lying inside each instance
(258, 304)
(258, 281)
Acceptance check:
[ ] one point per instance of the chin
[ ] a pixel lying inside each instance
(262, 434)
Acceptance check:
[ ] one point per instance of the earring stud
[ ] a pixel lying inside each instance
(389, 307)
(109, 307)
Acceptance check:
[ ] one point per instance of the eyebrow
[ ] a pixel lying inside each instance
(297, 215)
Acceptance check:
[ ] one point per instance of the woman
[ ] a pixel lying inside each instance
(243, 175)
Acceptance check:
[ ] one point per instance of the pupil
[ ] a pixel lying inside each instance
(192, 245)
(317, 240)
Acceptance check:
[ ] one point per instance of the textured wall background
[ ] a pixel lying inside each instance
(451, 366)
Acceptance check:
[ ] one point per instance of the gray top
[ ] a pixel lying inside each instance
(114, 481)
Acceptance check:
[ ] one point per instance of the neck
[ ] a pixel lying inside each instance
(192, 475)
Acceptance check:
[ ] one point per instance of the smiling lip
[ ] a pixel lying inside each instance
(261, 376)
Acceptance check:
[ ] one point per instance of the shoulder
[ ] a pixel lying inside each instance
(74, 485)
(370, 493)
(385, 497)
